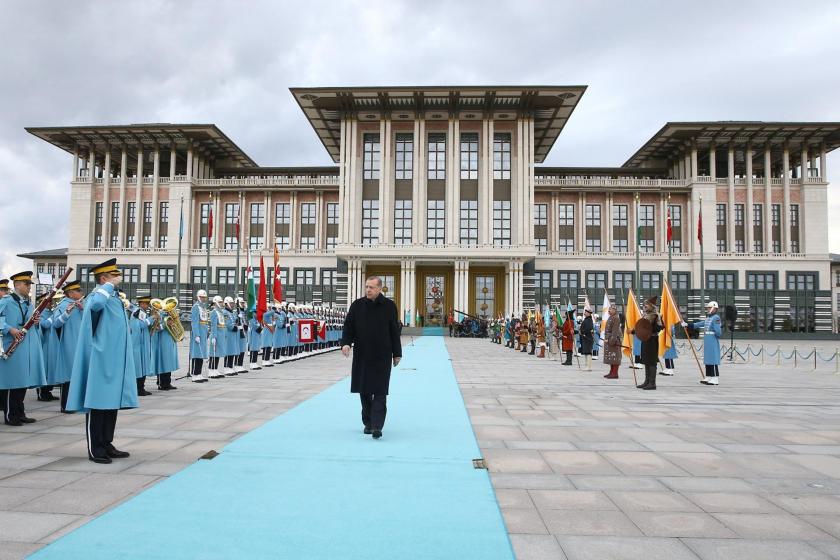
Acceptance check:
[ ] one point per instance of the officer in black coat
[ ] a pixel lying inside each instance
(372, 329)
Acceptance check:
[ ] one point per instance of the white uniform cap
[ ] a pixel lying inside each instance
(201, 293)
(217, 299)
(228, 299)
(712, 304)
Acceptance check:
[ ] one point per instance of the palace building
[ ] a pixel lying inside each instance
(441, 192)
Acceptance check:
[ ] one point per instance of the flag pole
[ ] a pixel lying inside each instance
(669, 239)
(638, 274)
(702, 271)
(209, 241)
(238, 245)
(180, 239)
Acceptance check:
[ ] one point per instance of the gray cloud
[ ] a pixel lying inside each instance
(231, 63)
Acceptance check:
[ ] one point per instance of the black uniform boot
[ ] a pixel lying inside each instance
(646, 382)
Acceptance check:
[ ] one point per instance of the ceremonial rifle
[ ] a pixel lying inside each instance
(47, 299)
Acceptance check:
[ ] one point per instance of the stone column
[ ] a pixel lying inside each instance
(422, 186)
(748, 216)
(551, 226)
(320, 220)
(173, 159)
(294, 222)
(106, 199)
(190, 158)
(693, 154)
(121, 233)
(416, 213)
(386, 182)
(823, 174)
(663, 223)
(155, 197)
(713, 162)
(453, 209)
(730, 210)
(138, 200)
(768, 198)
(75, 174)
(268, 241)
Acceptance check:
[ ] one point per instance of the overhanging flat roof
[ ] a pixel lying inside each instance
(45, 254)
(551, 107)
(673, 138)
(111, 137)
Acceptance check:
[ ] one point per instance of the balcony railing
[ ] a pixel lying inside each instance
(326, 180)
(551, 181)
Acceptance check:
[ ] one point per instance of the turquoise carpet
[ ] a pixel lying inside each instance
(309, 485)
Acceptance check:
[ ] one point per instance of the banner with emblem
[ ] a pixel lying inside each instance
(307, 330)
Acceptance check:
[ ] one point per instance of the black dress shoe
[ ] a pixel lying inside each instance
(27, 420)
(115, 453)
(377, 434)
(144, 393)
(14, 423)
(101, 460)
(368, 431)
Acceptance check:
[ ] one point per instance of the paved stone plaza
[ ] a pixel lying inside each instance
(583, 467)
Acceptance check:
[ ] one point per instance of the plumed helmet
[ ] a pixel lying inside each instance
(712, 304)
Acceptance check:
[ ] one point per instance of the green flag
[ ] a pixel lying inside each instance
(251, 289)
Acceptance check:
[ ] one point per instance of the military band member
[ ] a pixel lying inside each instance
(49, 341)
(231, 347)
(711, 343)
(25, 368)
(140, 323)
(67, 322)
(267, 336)
(199, 326)
(255, 330)
(103, 376)
(165, 353)
(218, 334)
(4, 287)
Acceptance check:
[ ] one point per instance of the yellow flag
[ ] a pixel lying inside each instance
(632, 313)
(670, 314)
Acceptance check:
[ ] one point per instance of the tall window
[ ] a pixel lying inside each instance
(115, 212)
(757, 213)
(256, 227)
(304, 276)
(198, 276)
(370, 222)
(115, 240)
(437, 156)
(739, 215)
(161, 274)
(469, 155)
(623, 280)
(129, 241)
(676, 227)
(720, 222)
(402, 222)
(621, 243)
(282, 225)
(596, 280)
(761, 281)
(147, 212)
(679, 280)
(593, 228)
(163, 224)
(646, 224)
(332, 224)
(164, 212)
(130, 274)
(721, 280)
(776, 214)
(435, 222)
(98, 212)
(370, 168)
(651, 280)
(97, 240)
(307, 226)
(205, 214)
(542, 287)
(405, 156)
(568, 280)
(540, 226)
(794, 228)
(226, 276)
(566, 226)
(801, 281)
(501, 155)
(469, 222)
(329, 277)
(132, 212)
(147, 241)
(501, 222)
(231, 219)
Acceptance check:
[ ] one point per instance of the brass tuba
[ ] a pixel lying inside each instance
(173, 325)
(155, 307)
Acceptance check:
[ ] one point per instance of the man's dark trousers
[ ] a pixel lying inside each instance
(373, 410)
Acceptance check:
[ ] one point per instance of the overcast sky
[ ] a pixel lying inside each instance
(231, 63)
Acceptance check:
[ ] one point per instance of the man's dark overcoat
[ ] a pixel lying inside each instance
(372, 329)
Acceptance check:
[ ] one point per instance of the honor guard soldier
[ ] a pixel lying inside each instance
(67, 322)
(140, 323)
(255, 330)
(280, 336)
(711, 343)
(199, 327)
(267, 336)
(25, 367)
(165, 351)
(231, 337)
(103, 377)
(218, 335)
(241, 335)
(50, 340)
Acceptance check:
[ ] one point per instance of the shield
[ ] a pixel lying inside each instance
(643, 329)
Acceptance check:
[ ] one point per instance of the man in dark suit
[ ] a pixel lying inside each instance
(371, 328)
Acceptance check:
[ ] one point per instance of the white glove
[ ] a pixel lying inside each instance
(198, 340)
(213, 341)
(684, 324)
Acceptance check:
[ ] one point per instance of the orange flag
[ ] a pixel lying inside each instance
(632, 313)
(670, 314)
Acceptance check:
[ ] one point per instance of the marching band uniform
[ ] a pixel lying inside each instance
(102, 379)
(199, 326)
(217, 335)
(140, 324)
(67, 322)
(242, 327)
(166, 354)
(267, 337)
(49, 340)
(711, 343)
(25, 368)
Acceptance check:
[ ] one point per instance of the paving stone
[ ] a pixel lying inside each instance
(524, 520)
(771, 526)
(579, 462)
(513, 498)
(828, 523)
(584, 482)
(624, 548)
(807, 503)
(536, 547)
(514, 461)
(530, 481)
(572, 499)
(642, 463)
(16, 550)
(651, 501)
(606, 523)
(738, 549)
(21, 526)
(679, 524)
(726, 502)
